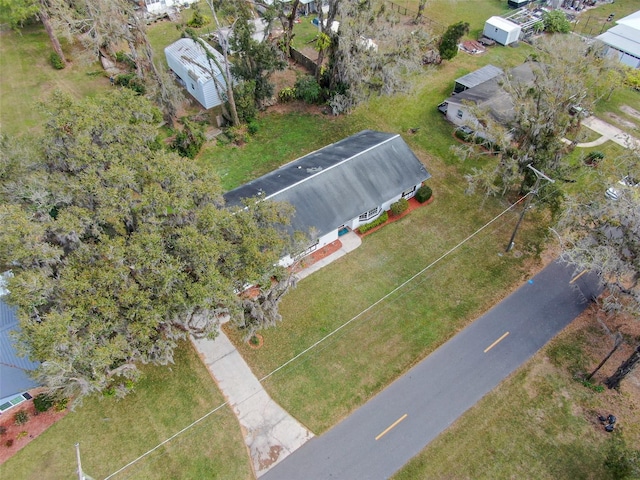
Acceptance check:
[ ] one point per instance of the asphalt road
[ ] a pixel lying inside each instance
(382, 435)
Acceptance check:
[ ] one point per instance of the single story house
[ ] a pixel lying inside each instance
(197, 72)
(341, 186)
(14, 370)
(503, 31)
(488, 95)
(623, 40)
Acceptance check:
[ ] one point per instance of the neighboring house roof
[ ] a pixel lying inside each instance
(625, 38)
(13, 369)
(632, 20)
(339, 182)
(479, 76)
(491, 96)
(192, 55)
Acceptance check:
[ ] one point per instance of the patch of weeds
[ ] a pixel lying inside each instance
(568, 353)
(592, 386)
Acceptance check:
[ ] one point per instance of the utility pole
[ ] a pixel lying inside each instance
(534, 191)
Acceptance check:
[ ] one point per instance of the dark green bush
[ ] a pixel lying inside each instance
(21, 417)
(3, 430)
(9, 443)
(56, 61)
(399, 207)
(189, 140)
(378, 221)
(307, 89)
(252, 127)
(424, 193)
(593, 158)
(42, 402)
(448, 47)
(198, 20)
(132, 81)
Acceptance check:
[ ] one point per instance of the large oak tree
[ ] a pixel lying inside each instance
(120, 248)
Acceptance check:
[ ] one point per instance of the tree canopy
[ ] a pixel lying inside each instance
(565, 73)
(603, 235)
(120, 248)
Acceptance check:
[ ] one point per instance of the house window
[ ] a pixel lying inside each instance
(459, 114)
(370, 214)
(409, 193)
(308, 250)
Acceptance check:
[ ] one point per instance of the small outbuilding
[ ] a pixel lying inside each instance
(197, 72)
(502, 30)
(476, 77)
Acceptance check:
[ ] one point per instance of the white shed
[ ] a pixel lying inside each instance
(190, 63)
(501, 30)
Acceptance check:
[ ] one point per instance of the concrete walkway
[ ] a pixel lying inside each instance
(608, 132)
(270, 433)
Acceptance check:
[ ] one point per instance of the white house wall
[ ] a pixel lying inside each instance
(157, 7)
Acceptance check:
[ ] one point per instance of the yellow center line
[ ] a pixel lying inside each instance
(391, 426)
(578, 276)
(496, 342)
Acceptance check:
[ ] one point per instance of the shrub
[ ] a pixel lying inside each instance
(56, 61)
(42, 402)
(424, 193)
(399, 207)
(378, 221)
(252, 127)
(9, 443)
(132, 81)
(189, 140)
(287, 94)
(3, 430)
(198, 20)
(593, 158)
(61, 404)
(21, 417)
(307, 89)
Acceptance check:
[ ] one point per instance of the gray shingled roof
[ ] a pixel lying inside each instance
(337, 183)
(13, 369)
(490, 94)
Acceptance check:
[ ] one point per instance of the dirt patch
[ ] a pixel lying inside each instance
(621, 121)
(17, 436)
(630, 111)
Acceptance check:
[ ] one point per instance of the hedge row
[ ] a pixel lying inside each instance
(378, 221)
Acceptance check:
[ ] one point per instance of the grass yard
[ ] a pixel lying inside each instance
(27, 77)
(540, 423)
(113, 432)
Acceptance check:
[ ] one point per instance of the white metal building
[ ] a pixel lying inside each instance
(501, 30)
(197, 72)
(623, 40)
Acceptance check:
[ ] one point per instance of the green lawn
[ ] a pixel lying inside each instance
(539, 423)
(27, 77)
(114, 432)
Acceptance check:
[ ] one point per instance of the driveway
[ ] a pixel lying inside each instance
(608, 132)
